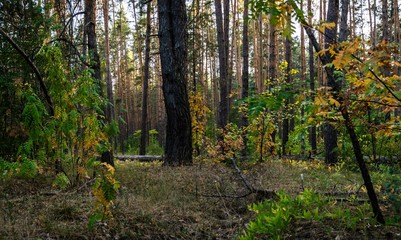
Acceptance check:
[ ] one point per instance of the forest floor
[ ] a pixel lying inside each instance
(204, 201)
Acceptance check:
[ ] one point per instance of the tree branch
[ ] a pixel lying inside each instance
(34, 68)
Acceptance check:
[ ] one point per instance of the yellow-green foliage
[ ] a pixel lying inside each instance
(74, 134)
(104, 191)
(199, 112)
(230, 146)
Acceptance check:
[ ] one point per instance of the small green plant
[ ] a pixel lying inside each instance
(104, 190)
(23, 168)
(274, 217)
(61, 181)
(391, 188)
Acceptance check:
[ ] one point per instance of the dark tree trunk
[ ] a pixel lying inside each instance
(312, 129)
(173, 56)
(348, 123)
(109, 84)
(226, 22)
(286, 121)
(245, 71)
(145, 86)
(90, 29)
(222, 43)
(272, 73)
(385, 38)
(344, 21)
(329, 131)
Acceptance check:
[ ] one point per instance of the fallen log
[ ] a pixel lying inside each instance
(140, 158)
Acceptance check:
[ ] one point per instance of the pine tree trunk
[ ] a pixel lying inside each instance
(173, 56)
(109, 87)
(245, 71)
(272, 72)
(145, 86)
(90, 24)
(223, 67)
(329, 131)
(286, 120)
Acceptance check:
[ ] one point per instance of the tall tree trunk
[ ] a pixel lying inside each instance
(226, 31)
(173, 56)
(109, 84)
(286, 121)
(272, 72)
(344, 31)
(245, 71)
(303, 80)
(145, 86)
(371, 22)
(329, 131)
(223, 67)
(90, 25)
(312, 129)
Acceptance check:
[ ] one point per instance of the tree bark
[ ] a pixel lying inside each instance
(90, 25)
(223, 67)
(173, 56)
(245, 71)
(312, 129)
(109, 84)
(145, 86)
(272, 72)
(286, 120)
(329, 131)
(303, 80)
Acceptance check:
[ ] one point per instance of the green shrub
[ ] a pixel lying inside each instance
(274, 217)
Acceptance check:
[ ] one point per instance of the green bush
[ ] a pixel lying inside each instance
(274, 217)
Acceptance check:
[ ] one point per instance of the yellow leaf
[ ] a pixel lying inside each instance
(328, 25)
(332, 101)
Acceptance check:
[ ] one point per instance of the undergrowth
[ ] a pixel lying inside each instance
(274, 217)
(198, 202)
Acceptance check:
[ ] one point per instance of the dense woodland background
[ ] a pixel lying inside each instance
(228, 82)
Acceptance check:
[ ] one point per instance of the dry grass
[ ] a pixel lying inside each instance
(155, 202)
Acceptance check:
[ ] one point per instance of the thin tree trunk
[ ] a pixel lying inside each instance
(90, 24)
(226, 31)
(223, 67)
(312, 129)
(286, 121)
(303, 80)
(109, 87)
(245, 71)
(145, 86)
(272, 72)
